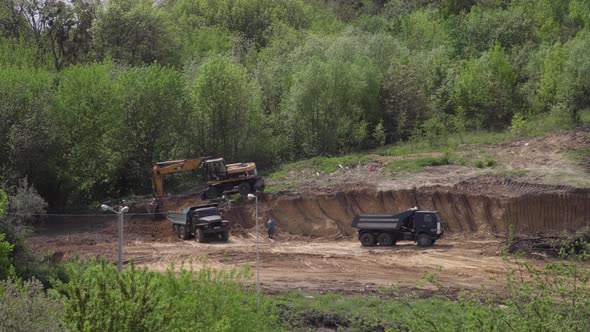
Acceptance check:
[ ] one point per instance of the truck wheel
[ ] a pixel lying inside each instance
(423, 240)
(183, 232)
(175, 230)
(385, 239)
(225, 236)
(367, 239)
(433, 242)
(199, 235)
(244, 188)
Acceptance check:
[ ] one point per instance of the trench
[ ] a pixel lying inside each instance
(480, 205)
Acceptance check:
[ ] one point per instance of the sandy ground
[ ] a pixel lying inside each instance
(337, 266)
(306, 264)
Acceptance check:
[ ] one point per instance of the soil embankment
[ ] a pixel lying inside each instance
(480, 205)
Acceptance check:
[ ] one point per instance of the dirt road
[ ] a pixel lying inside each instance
(337, 265)
(307, 264)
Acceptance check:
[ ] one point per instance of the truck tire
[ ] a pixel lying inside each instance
(199, 235)
(183, 232)
(175, 230)
(433, 242)
(244, 188)
(423, 240)
(367, 239)
(385, 239)
(225, 236)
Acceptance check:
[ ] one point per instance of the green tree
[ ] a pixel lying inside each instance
(12, 21)
(27, 135)
(67, 28)
(250, 19)
(135, 32)
(486, 90)
(152, 124)
(405, 104)
(89, 108)
(479, 30)
(325, 107)
(226, 109)
(551, 77)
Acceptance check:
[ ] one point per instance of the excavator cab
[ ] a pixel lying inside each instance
(215, 169)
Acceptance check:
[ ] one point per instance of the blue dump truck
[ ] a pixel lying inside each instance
(423, 227)
(202, 221)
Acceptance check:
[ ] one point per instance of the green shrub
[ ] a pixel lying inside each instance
(6, 268)
(98, 298)
(485, 163)
(25, 307)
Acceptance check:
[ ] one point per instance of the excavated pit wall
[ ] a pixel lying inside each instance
(482, 205)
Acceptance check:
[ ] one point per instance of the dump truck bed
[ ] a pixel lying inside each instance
(377, 221)
(177, 217)
(381, 221)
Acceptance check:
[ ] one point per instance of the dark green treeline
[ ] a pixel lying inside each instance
(93, 92)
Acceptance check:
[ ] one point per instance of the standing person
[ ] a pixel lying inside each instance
(270, 224)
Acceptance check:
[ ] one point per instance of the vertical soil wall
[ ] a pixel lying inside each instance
(482, 205)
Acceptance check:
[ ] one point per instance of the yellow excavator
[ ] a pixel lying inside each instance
(220, 177)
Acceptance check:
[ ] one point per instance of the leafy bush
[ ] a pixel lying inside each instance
(25, 205)
(98, 298)
(25, 307)
(6, 268)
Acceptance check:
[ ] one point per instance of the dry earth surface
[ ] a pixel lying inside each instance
(316, 249)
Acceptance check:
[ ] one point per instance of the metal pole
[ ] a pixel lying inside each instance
(257, 259)
(120, 264)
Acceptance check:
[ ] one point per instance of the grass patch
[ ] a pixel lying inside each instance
(490, 162)
(447, 144)
(417, 164)
(579, 155)
(320, 164)
(411, 147)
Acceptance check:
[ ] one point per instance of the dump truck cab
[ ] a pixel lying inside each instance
(422, 226)
(202, 222)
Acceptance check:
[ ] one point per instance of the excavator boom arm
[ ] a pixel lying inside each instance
(168, 167)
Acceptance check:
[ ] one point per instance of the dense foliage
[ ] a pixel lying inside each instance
(93, 92)
(98, 298)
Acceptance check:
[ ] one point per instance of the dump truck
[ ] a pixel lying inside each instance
(422, 227)
(202, 222)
